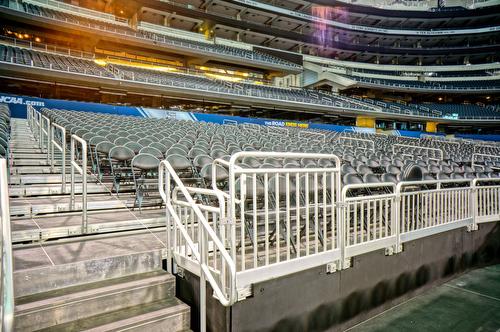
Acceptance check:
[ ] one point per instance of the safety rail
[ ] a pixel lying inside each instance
(487, 199)
(354, 139)
(282, 215)
(191, 237)
(410, 150)
(6, 270)
(44, 134)
(83, 171)
(273, 221)
(369, 220)
(433, 206)
(482, 157)
(312, 135)
(61, 147)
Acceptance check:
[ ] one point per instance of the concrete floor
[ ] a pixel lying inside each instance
(470, 302)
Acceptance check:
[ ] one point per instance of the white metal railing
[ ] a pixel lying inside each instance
(482, 157)
(6, 270)
(487, 200)
(61, 147)
(75, 140)
(272, 222)
(370, 221)
(433, 206)
(370, 144)
(411, 150)
(313, 135)
(195, 233)
(281, 215)
(45, 135)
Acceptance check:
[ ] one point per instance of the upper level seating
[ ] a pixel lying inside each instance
(455, 85)
(202, 83)
(116, 142)
(48, 60)
(157, 37)
(72, 64)
(464, 110)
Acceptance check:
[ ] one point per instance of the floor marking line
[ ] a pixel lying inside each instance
(46, 254)
(473, 292)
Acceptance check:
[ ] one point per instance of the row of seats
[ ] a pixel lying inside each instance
(191, 147)
(28, 57)
(262, 91)
(455, 85)
(4, 130)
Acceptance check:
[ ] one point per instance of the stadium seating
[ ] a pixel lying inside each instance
(46, 60)
(455, 85)
(4, 131)
(27, 57)
(127, 150)
(156, 37)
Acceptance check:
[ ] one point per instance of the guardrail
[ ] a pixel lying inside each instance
(83, 171)
(370, 143)
(191, 221)
(411, 150)
(45, 135)
(283, 220)
(313, 135)
(61, 147)
(482, 158)
(6, 270)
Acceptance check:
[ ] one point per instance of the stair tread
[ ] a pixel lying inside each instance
(126, 317)
(60, 296)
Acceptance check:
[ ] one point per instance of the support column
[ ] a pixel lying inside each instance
(365, 121)
(431, 127)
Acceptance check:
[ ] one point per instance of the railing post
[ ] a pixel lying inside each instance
(164, 186)
(473, 205)
(83, 171)
(61, 148)
(203, 280)
(396, 212)
(7, 286)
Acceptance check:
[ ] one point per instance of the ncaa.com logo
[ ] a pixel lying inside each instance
(20, 101)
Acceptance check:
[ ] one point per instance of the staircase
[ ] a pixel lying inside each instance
(68, 281)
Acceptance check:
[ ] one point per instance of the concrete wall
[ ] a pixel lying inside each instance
(312, 300)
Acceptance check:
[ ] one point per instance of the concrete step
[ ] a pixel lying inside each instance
(65, 263)
(25, 179)
(33, 155)
(65, 225)
(167, 316)
(69, 304)
(37, 162)
(31, 206)
(56, 189)
(33, 169)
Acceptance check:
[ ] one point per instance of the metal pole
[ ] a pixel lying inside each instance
(7, 287)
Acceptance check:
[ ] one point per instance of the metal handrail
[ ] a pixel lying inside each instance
(62, 148)
(441, 153)
(475, 155)
(83, 171)
(370, 142)
(6, 274)
(200, 252)
(45, 135)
